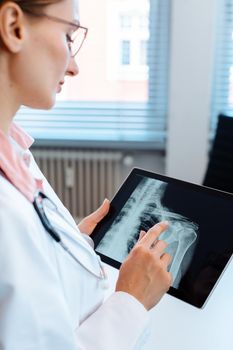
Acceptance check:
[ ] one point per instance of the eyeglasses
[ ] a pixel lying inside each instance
(75, 40)
(53, 221)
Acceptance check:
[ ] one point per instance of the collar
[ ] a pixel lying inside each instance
(12, 163)
(23, 139)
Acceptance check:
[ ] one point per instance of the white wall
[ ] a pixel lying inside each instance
(191, 64)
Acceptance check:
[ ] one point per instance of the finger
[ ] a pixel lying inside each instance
(158, 247)
(141, 235)
(171, 279)
(166, 259)
(154, 233)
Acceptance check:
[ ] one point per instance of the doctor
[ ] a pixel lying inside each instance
(52, 284)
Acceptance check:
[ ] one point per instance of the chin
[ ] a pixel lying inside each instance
(43, 103)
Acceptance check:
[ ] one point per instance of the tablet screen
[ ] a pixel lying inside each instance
(199, 237)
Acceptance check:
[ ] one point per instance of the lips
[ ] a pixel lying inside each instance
(59, 88)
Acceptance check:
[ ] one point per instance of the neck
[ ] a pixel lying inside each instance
(6, 117)
(8, 100)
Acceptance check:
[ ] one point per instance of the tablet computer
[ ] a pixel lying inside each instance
(199, 237)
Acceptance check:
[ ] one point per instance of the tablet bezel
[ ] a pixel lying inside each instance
(121, 198)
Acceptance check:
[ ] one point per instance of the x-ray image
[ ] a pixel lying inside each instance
(142, 210)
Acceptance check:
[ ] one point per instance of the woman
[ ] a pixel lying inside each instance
(51, 298)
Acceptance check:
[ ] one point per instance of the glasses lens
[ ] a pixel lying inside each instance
(78, 38)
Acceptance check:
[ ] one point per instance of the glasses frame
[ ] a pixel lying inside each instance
(77, 26)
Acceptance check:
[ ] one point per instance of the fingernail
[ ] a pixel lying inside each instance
(141, 234)
(165, 222)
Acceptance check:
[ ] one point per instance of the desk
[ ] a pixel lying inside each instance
(176, 325)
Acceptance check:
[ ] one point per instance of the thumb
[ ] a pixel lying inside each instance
(89, 223)
(101, 212)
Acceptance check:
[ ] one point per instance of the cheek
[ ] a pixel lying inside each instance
(39, 78)
(52, 53)
(60, 56)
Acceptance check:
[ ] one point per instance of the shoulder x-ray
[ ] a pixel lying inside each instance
(143, 209)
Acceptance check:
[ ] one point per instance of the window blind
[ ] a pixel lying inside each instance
(141, 124)
(222, 93)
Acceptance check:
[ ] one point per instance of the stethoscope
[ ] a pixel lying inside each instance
(40, 202)
(43, 203)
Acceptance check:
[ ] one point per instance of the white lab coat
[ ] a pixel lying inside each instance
(49, 302)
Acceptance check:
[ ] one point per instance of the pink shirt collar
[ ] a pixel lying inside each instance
(12, 163)
(23, 139)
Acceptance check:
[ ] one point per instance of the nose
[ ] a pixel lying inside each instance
(72, 69)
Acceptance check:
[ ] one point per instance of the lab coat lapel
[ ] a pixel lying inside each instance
(79, 246)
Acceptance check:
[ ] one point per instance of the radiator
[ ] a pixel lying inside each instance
(81, 179)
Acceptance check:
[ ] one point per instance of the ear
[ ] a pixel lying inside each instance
(12, 26)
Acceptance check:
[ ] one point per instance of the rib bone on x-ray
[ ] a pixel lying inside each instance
(141, 211)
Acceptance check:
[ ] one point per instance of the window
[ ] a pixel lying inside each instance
(125, 52)
(129, 21)
(126, 21)
(222, 96)
(120, 96)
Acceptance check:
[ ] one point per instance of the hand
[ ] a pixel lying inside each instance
(88, 224)
(144, 273)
